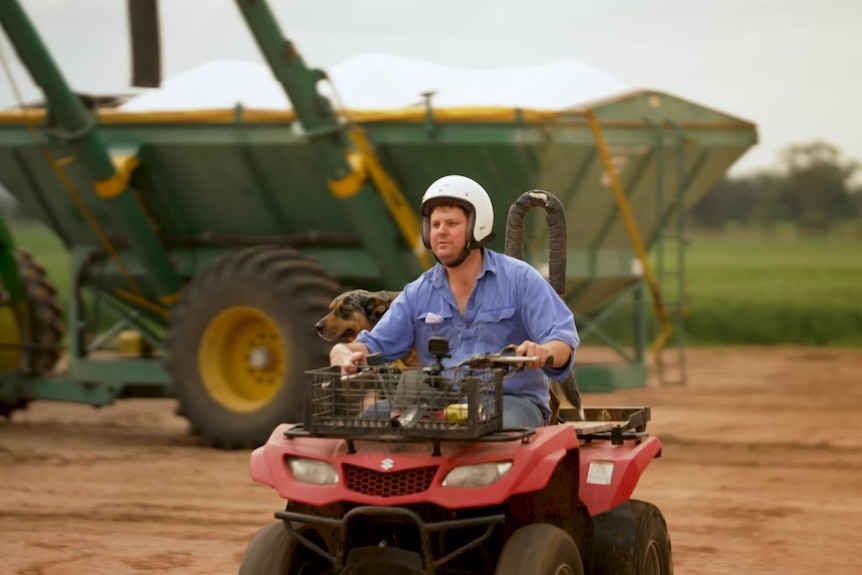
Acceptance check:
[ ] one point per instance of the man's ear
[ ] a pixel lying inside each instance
(375, 308)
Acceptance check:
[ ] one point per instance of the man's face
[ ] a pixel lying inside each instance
(448, 233)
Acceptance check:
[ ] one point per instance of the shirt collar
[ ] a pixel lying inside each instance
(489, 262)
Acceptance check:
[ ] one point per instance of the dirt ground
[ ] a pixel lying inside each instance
(761, 473)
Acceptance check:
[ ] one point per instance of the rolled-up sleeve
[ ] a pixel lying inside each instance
(547, 317)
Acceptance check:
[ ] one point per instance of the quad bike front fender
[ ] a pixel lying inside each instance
(533, 463)
(609, 473)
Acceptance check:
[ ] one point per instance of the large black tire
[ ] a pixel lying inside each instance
(540, 549)
(240, 340)
(653, 551)
(45, 319)
(274, 551)
(39, 321)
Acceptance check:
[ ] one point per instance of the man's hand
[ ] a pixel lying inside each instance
(556, 352)
(348, 355)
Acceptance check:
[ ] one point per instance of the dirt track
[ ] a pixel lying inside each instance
(761, 473)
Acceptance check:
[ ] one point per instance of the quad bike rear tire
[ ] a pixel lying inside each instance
(653, 549)
(241, 339)
(37, 326)
(540, 549)
(274, 551)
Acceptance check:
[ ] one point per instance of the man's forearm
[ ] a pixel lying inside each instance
(560, 350)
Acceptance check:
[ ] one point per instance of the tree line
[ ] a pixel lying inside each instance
(813, 187)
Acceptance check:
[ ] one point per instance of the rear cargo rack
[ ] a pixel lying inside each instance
(614, 423)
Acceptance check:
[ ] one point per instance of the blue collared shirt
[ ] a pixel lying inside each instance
(511, 303)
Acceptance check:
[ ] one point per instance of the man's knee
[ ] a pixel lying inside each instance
(521, 412)
(379, 410)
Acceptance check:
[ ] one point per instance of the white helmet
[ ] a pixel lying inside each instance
(468, 194)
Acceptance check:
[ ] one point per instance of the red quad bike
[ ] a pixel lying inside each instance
(435, 485)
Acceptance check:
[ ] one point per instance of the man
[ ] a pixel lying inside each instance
(477, 299)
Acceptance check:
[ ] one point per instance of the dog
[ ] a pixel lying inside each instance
(358, 309)
(354, 311)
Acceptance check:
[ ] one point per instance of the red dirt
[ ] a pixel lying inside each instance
(760, 473)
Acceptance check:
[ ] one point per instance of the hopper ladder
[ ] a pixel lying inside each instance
(669, 248)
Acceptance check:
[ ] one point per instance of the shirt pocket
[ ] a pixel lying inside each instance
(495, 315)
(433, 324)
(497, 326)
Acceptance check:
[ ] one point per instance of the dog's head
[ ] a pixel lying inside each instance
(353, 311)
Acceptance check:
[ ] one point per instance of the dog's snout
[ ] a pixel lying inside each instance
(319, 326)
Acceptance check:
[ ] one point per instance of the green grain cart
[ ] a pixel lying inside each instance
(216, 240)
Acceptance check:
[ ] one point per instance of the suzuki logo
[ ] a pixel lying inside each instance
(387, 464)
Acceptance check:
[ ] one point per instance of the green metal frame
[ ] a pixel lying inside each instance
(77, 127)
(630, 371)
(329, 141)
(511, 155)
(671, 273)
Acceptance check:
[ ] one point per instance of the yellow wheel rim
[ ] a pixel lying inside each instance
(10, 336)
(242, 359)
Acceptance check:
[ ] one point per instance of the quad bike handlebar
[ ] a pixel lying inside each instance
(504, 359)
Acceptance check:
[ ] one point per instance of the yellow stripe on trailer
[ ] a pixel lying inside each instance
(405, 218)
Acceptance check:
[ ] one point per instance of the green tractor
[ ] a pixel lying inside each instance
(203, 247)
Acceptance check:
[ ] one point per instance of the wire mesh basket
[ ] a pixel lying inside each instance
(409, 403)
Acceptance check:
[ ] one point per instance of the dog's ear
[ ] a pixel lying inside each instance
(375, 308)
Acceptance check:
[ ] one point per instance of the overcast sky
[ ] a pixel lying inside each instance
(793, 67)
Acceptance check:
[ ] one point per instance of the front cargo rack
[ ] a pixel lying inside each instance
(416, 404)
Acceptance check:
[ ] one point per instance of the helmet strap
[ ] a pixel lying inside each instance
(468, 249)
(464, 255)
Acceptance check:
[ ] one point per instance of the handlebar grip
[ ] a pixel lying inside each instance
(509, 351)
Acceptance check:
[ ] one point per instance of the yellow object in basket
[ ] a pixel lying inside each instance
(457, 412)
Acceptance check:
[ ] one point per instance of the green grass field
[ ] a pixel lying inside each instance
(742, 289)
(761, 289)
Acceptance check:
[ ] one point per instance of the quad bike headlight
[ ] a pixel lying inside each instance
(478, 475)
(312, 471)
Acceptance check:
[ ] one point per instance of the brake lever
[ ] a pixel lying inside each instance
(507, 355)
(504, 358)
(373, 362)
(508, 350)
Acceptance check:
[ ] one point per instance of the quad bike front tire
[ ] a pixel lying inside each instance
(241, 339)
(540, 549)
(274, 551)
(653, 549)
(35, 327)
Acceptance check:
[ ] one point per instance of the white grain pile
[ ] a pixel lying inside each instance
(385, 82)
